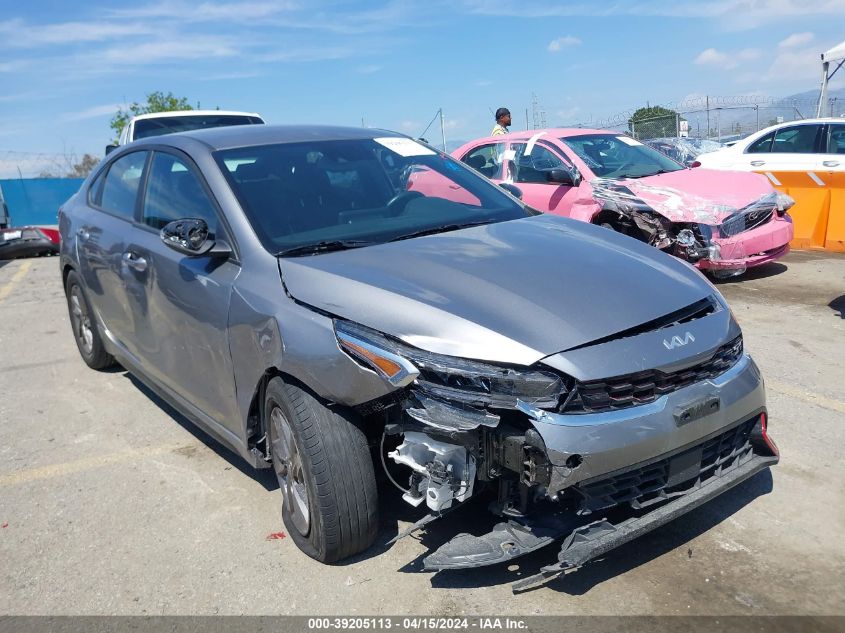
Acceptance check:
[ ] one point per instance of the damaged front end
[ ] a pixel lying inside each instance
(587, 461)
(721, 237)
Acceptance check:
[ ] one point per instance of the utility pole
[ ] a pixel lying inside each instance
(526, 120)
(707, 107)
(757, 109)
(442, 130)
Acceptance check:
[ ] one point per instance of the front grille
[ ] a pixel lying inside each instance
(744, 221)
(630, 390)
(670, 476)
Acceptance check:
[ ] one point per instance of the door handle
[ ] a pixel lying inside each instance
(757, 163)
(831, 163)
(134, 261)
(82, 234)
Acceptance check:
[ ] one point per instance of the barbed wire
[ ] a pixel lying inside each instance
(700, 104)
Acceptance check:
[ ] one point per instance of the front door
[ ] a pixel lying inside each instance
(182, 302)
(532, 161)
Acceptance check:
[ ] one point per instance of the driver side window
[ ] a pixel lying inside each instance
(174, 192)
(534, 167)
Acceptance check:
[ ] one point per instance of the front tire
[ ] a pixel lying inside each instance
(325, 472)
(85, 330)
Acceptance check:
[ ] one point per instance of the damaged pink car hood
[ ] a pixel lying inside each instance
(689, 195)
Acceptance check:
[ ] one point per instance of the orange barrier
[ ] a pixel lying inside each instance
(819, 213)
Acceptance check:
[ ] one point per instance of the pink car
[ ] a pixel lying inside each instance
(721, 221)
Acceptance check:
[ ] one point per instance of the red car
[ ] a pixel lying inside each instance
(28, 241)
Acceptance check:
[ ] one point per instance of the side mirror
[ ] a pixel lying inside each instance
(190, 237)
(564, 177)
(515, 191)
(110, 149)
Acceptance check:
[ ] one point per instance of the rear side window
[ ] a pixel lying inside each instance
(174, 192)
(96, 189)
(799, 139)
(120, 188)
(485, 159)
(836, 139)
(762, 145)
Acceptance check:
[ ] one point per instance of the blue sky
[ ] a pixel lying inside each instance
(65, 67)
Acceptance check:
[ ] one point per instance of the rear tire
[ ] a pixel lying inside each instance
(325, 472)
(85, 330)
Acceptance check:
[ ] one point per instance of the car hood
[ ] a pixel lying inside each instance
(510, 292)
(701, 195)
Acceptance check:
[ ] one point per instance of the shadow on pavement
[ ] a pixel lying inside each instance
(838, 304)
(618, 561)
(759, 272)
(266, 477)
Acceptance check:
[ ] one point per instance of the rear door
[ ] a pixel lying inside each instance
(531, 165)
(105, 223)
(833, 154)
(181, 302)
(790, 148)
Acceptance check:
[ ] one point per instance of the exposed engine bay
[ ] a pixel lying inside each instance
(461, 428)
(680, 223)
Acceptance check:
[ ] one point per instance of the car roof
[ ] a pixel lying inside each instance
(170, 113)
(233, 136)
(555, 132)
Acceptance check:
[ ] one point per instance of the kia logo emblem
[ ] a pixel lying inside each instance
(678, 341)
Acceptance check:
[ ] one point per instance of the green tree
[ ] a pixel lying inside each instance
(156, 102)
(653, 122)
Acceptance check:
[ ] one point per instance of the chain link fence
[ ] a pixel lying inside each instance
(714, 118)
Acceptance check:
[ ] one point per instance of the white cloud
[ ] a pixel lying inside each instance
(482, 83)
(562, 42)
(93, 112)
(206, 11)
(727, 60)
(796, 39)
(794, 65)
(185, 47)
(712, 57)
(730, 14)
(368, 69)
(17, 33)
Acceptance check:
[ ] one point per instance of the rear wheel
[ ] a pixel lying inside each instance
(85, 331)
(325, 472)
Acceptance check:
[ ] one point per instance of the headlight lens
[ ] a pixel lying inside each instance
(448, 377)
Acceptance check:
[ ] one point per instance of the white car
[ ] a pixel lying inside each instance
(807, 145)
(158, 123)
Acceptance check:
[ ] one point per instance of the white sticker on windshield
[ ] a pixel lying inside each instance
(404, 146)
(628, 140)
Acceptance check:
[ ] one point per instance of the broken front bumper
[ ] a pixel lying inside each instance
(634, 470)
(584, 446)
(587, 536)
(754, 247)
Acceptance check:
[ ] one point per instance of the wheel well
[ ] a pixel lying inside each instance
(65, 272)
(255, 431)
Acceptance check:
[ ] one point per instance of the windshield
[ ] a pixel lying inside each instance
(353, 193)
(168, 125)
(616, 156)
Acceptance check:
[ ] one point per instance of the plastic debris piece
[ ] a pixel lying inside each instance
(273, 536)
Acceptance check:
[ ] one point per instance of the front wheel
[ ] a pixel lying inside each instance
(325, 472)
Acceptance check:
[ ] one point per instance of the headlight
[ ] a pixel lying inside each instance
(448, 377)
